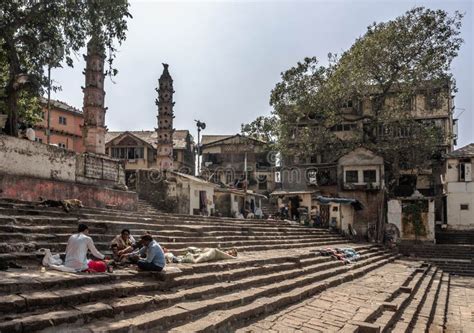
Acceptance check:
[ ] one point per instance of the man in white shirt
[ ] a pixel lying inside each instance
(76, 250)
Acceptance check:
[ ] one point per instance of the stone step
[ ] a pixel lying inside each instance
(407, 314)
(424, 316)
(385, 315)
(438, 322)
(117, 226)
(104, 237)
(161, 319)
(127, 216)
(28, 300)
(178, 247)
(228, 319)
(36, 257)
(170, 233)
(213, 286)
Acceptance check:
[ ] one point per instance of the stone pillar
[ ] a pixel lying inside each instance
(164, 159)
(94, 129)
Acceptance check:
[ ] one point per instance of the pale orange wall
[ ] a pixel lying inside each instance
(74, 121)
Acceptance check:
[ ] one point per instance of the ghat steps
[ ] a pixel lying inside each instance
(277, 267)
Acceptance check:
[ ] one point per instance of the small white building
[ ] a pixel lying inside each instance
(198, 192)
(459, 187)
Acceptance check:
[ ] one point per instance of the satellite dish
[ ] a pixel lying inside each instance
(203, 125)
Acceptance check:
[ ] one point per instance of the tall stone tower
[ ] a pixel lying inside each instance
(164, 159)
(94, 129)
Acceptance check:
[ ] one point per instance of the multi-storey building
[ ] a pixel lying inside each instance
(139, 150)
(361, 174)
(225, 158)
(65, 125)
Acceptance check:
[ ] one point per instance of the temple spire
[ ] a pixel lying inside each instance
(94, 129)
(165, 117)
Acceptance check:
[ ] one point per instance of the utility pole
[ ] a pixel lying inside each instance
(48, 130)
(200, 126)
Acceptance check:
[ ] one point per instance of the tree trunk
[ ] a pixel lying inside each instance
(12, 106)
(12, 87)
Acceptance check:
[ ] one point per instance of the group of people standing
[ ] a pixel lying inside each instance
(147, 254)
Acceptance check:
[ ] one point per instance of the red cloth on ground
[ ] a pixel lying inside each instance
(97, 266)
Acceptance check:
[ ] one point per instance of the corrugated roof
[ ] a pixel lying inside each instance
(60, 105)
(466, 151)
(150, 137)
(210, 139)
(194, 178)
(207, 139)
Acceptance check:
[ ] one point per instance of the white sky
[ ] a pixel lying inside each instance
(226, 56)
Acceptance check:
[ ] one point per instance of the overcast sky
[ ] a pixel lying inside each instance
(225, 57)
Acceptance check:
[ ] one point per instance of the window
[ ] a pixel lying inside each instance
(229, 178)
(465, 170)
(344, 127)
(62, 120)
(347, 104)
(370, 176)
(62, 145)
(128, 153)
(352, 176)
(464, 206)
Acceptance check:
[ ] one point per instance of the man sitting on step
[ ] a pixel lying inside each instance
(76, 252)
(155, 257)
(122, 244)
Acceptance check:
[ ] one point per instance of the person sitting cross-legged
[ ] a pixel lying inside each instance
(155, 257)
(122, 244)
(76, 252)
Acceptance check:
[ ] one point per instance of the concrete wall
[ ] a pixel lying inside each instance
(195, 188)
(395, 216)
(56, 173)
(25, 158)
(347, 217)
(32, 159)
(31, 189)
(460, 194)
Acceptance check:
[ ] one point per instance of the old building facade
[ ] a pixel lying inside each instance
(65, 126)
(238, 161)
(459, 187)
(138, 149)
(361, 174)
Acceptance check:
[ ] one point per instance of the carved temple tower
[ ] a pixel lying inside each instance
(94, 129)
(164, 158)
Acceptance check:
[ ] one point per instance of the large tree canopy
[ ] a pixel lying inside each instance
(387, 66)
(38, 34)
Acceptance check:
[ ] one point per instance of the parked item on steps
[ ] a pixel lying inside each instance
(195, 255)
(348, 255)
(171, 258)
(65, 204)
(49, 259)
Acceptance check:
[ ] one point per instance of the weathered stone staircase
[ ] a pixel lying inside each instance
(419, 305)
(277, 266)
(452, 258)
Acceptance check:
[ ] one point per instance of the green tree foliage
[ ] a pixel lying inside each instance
(263, 128)
(387, 67)
(38, 34)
